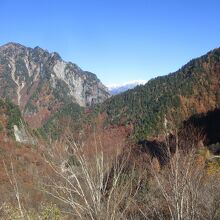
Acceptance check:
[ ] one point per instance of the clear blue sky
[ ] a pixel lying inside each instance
(119, 40)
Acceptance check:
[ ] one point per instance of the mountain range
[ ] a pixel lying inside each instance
(49, 90)
(119, 88)
(157, 107)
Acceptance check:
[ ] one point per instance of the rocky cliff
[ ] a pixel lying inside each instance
(41, 83)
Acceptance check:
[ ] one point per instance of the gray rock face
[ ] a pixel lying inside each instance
(22, 135)
(40, 83)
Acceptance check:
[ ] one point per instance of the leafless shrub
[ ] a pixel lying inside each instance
(89, 186)
(14, 184)
(182, 188)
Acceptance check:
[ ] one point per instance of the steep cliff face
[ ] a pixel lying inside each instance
(41, 83)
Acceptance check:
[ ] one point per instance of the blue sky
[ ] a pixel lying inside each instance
(119, 40)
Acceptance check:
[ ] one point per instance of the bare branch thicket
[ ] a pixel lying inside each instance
(10, 172)
(182, 189)
(91, 187)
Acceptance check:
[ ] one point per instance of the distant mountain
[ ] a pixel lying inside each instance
(41, 83)
(119, 88)
(166, 101)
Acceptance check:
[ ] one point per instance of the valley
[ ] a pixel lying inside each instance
(67, 143)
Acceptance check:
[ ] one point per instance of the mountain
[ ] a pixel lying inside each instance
(119, 88)
(165, 102)
(161, 105)
(41, 83)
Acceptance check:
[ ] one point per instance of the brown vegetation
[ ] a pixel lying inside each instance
(100, 175)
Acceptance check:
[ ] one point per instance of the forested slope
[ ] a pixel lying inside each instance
(192, 89)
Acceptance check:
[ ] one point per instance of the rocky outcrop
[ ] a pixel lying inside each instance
(22, 135)
(41, 83)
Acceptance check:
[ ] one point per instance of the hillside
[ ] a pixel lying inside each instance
(41, 83)
(10, 118)
(11, 151)
(195, 88)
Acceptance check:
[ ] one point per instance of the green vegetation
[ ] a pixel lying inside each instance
(72, 112)
(13, 113)
(176, 97)
(1, 127)
(147, 106)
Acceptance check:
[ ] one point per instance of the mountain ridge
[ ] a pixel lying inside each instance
(193, 89)
(41, 83)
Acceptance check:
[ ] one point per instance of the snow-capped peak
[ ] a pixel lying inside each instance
(115, 89)
(133, 82)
